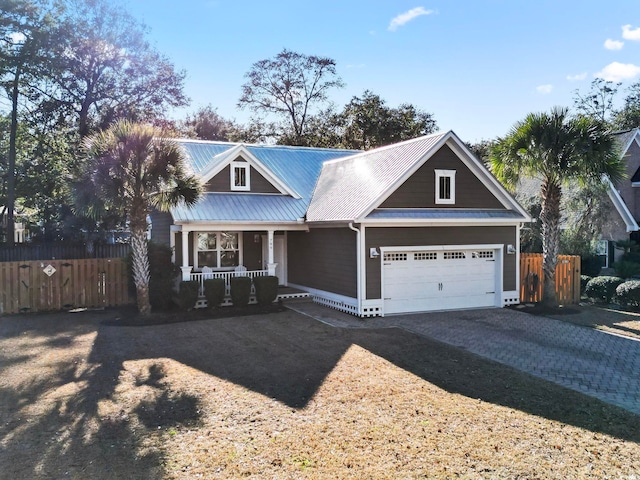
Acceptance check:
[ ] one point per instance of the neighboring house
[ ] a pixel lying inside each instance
(416, 226)
(622, 201)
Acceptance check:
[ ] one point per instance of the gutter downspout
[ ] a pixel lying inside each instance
(358, 266)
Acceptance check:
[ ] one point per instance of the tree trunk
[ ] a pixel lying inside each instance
(550, 217)
(11, 168)
(140, 263)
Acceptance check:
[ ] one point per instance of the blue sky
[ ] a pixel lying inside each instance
(478, 66)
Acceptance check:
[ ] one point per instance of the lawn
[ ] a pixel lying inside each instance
(281, 396)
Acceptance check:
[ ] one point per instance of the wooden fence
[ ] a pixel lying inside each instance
(532, 278)
(26, 251)
(63, 284)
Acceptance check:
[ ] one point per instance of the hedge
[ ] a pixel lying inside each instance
(214, 289)
(266, 289)
(188, 294)
(240, 291)
(602, 289)
(628, 293)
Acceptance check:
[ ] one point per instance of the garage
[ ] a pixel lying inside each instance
(439, 278)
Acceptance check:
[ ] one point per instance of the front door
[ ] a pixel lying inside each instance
(279, 256)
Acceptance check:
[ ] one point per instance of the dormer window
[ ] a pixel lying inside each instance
(445, 187)
(240, 180)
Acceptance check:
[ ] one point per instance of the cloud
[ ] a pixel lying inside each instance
(629, 34)
(613, 44)
(544, 89)
(617, 72)
(406, 17)
(577, 77)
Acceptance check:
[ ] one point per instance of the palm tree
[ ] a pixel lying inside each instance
(130, 170)
(555, 148)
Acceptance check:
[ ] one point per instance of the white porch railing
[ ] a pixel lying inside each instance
(201, 277)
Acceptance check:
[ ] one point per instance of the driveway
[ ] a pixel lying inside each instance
(589, 361)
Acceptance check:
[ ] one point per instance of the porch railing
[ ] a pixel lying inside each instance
(227, 276)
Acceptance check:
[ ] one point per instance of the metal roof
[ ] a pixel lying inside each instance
(297, 167)
(441, 214)
(347, 187)
(242, 207)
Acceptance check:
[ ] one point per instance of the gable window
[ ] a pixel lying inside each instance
(240, 176)
(445, 187)
(218, 250)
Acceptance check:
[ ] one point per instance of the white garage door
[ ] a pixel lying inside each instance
(418, 281)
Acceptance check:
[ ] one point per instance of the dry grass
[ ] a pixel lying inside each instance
(283, 397)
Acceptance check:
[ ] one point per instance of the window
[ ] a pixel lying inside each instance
(218, 250)
(445, 187)
(240, 176)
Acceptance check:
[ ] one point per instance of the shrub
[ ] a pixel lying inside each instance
(584, 279)
(266, 289)
(162, 276)
(188, 294)
(240, 291)
(602, 289)
(626, 269)
(214, 291)
(628, 293)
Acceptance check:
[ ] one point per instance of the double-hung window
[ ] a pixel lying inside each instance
(240, 180)
(445, 187)
(218, 250)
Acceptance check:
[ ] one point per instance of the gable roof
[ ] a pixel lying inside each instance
(626, 138)
(350, 189)
(292, 170)
(529, 187)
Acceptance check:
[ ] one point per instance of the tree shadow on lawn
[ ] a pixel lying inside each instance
(52, 424)
(284, 356)
(287, 356)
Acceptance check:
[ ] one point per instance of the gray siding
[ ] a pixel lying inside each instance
(161, 227)
(419, 189)
(222, 182)
(417, 236)
(325, 259)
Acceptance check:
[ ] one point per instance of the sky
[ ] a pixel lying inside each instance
(479, 66)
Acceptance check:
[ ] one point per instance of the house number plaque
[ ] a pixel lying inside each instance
(49, 270)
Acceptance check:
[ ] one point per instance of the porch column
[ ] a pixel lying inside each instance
(271, 266)
(186, 268)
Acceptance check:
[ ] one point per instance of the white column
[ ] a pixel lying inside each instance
(186, 268)
(271, 266)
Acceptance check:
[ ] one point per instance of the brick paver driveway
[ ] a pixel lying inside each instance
(596, 363)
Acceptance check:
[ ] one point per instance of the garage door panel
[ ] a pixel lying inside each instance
(438, 280)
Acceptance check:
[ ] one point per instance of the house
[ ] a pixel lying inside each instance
(622, 200)
(416, 226)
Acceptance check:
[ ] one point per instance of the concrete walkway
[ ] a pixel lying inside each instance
(596, 363)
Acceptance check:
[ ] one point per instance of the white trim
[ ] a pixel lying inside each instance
(360, 262)
(421, 222)
(229, 156)
(332, 300)
(233, 166)
(621, 206)
(469, 160)
(240, 226)
(499, 264)
(440, 248)
(451, 174)
(510, 298)
(218, 269)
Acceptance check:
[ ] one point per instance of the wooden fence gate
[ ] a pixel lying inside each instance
(48, 285)
(532, 278)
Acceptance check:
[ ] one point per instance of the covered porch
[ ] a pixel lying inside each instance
(226, 251)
